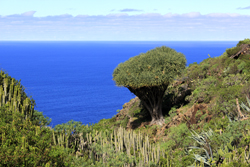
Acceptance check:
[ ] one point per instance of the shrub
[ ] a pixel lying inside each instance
(40, 119)
(245, 41)
(25, 144)
(177, 137)
(233, 51)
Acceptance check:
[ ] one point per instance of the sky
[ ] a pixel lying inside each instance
(130, 20)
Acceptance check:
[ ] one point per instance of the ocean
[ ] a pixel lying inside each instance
(73, 80)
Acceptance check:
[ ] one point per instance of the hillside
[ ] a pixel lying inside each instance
(203, 98)
(206, 112)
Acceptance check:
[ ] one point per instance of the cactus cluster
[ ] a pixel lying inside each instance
(136, 146)
(121, 147)
(61, 138)
(13, 97)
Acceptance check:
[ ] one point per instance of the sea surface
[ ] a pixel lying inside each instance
(73, 80)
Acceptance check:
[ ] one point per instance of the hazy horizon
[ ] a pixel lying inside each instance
(118, 41)
(111, 20)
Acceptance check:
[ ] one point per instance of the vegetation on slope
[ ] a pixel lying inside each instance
(24, 141)
(206, 111)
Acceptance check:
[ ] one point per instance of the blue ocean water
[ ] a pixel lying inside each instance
(73, 80)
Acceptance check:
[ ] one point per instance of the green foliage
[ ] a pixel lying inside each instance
(124, 122)
(194, 71)
(39, 118)
(172, 112)
(215, 68)
(117, 148)
(233, 51)
(226, 101)
(148, 76)
(177, 137)
(25, 144)
(26, 141)
(13, 97)
(245, 41)
(204, 151)
(223, 145)
(71, 126)
(198, 114)
(232, 80)
(217, 123)
(245, 107)
(204, 90)
(233, 69)
(203, 116)
(218, 82)
(242, 66)
(153, 68)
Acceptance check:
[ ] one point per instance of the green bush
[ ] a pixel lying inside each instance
(25, 144)
(233, 51)
(177, 137)
(40, 119)
(245, 41)
(228, 142)
(195, 71)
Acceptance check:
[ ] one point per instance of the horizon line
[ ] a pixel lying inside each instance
(112, 40)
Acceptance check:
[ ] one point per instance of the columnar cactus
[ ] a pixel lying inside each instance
(126, 141)
(12, 95)
(1, 96)
(5, 86)
(23, 142)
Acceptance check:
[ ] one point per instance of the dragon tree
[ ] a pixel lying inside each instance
(148, 76)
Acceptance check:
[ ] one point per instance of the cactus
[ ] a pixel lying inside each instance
(23, 142)
(3, 137)
(37, 130)
(127, 141)
(54, 138)
(11, 90)
(1, 96)
(105, 146)
(12, 95)
(5, 86)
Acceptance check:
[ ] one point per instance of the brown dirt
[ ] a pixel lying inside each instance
(126, 108)
(188, 116)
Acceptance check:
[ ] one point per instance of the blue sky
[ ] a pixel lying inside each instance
(130, 20)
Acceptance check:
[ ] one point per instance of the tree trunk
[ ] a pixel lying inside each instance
(155, 113)
(151, 98)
